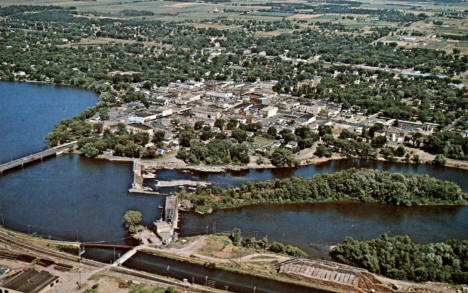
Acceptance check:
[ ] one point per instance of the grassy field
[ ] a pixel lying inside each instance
(200, 15)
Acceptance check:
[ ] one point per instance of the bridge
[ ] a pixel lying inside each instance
(38, 156)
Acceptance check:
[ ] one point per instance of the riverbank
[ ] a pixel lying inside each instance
(172, 163)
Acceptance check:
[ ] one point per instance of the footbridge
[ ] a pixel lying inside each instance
(38, 156)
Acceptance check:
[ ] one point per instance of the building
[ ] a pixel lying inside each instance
(269, 111)
(166, 226)
(164, 231)
(140, 128)
(308, 108)
(205, 113)
(306, 119)
(30, 281)
(142, 117)
(219, 95)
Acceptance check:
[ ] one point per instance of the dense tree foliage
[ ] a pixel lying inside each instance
(449, 144)
(132, 220)
(276, 247)
(400, 258)
(353, 184)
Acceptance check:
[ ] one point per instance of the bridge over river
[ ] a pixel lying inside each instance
(37, 156)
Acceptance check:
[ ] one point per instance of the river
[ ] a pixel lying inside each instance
(71, 198)
(30, 111)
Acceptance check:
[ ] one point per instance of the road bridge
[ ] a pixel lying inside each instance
(37, 156)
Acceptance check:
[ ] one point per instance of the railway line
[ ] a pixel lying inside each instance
(43, 252)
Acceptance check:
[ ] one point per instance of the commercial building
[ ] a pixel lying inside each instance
(30, 281)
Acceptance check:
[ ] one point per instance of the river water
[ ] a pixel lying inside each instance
(71, 198)
(29, 112)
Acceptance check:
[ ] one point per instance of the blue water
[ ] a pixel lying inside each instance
(29, 111)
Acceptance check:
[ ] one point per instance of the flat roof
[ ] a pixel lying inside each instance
(30, 281)
(139, 126)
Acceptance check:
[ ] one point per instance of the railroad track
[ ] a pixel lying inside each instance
(42, 252)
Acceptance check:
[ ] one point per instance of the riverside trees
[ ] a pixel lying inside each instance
(353, 184)
(400, 258)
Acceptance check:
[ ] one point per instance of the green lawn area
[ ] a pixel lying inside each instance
(263, 141)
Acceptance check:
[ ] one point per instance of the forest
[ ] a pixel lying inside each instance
(399, 257)
(364, 185)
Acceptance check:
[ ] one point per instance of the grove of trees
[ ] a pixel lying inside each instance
(399, 257)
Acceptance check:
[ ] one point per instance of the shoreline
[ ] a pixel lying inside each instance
(319, 202)
(158, 165)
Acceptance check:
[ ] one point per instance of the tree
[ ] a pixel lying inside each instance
(97, 127)
(303, 132)
(185, 137)
(324, 129)
(376, 127)
(379, 141)
(159, 136)
(272, 131)
(220, 123)
(287, 135)
(198, 125)
(90, 150)
(232, 124)
(282, 157)
(400, 151)
(121, 129)
(323, 151)
(132, 219)
(236, 236)
(439, 160)
(239, 134)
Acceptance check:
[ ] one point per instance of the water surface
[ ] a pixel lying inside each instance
(30, 111)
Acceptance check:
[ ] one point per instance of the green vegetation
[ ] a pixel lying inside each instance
(449, 144)
(132, 220)
(400, 258)
(353, 184)
(276, 247)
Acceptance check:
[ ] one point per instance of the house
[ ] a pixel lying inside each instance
(205, 113)
(396, 135)
(219, 95)
(308, 108)
(30, 281)
(142, 117)
(140, 128)
(306, 119)
(269, 111)
(164, 112)
(188, 98)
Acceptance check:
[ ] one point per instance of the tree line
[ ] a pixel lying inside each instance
(365, 185)
(399, 257)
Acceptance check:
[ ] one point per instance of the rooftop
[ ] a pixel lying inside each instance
(30, 281)
(139, 126)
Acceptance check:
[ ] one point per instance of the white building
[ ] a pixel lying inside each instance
(269, 111)
(219, 95)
